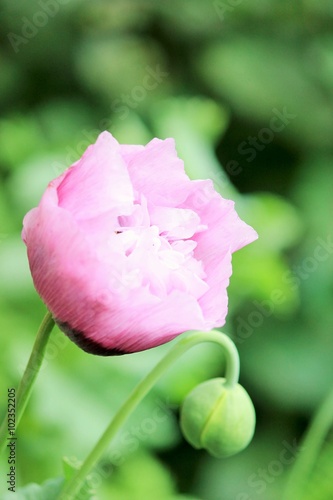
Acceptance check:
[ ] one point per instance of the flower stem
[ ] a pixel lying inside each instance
(232, 375)
(310, 449)
(29, 376)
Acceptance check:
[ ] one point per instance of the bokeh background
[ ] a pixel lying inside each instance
(246, 90)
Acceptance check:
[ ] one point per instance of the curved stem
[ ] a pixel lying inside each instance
(310, 450)
(29, 376)
(232, 375)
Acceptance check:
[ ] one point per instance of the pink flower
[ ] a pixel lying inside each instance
(127, 252)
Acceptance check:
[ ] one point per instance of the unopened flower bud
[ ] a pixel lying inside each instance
(218, 418)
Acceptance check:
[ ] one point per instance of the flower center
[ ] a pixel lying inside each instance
(159, 249)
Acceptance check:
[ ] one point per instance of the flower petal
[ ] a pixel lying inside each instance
(225, 234)
(158, 173)
(99, 182)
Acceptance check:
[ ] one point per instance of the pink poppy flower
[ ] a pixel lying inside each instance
(127, 252)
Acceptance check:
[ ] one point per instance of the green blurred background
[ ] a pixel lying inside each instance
(246, 89)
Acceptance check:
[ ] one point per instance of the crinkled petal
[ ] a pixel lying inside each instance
(99, 182)
(175, 223)
(158, 173)
(225, 234)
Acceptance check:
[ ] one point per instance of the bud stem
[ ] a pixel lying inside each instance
(29, 376)
(140, 391)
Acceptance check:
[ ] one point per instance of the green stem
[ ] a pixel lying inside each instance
(232, 375)
(310, 449)
(29, 376)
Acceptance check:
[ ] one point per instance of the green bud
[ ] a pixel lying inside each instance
(218, 418)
